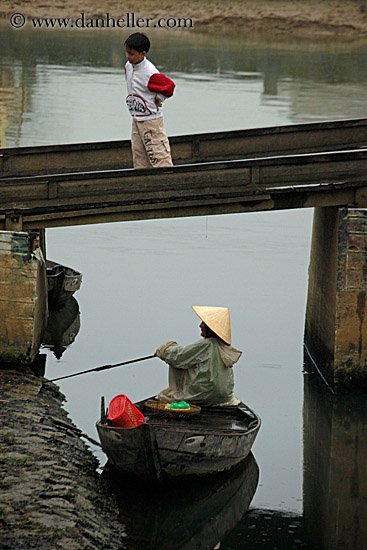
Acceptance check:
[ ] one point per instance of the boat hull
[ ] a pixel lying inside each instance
(176, 448)
(62, 282)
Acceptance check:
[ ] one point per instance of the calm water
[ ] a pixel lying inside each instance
(141, 278)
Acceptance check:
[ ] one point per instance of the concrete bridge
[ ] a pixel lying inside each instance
(299, 166)
(321, 165)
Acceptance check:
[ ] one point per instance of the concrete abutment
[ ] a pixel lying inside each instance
(336, 321)
(23, 296)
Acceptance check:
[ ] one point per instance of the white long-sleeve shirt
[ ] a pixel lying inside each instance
(144, 84)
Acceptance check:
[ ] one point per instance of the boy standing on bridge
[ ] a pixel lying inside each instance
(147, 88)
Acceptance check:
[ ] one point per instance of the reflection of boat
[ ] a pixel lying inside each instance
(214, 440)
(184, 515)
(62, 281)
(62, 327)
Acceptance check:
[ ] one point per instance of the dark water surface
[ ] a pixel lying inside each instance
(307, 477)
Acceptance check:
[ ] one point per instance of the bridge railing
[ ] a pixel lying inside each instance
(186, 149)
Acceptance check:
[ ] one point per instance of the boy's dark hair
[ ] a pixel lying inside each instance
(138, 41)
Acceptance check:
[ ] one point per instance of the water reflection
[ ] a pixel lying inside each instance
(12, 102)
(268, 530)
(61, 331)
(253, 55)
(51, 83)
(335, 469)
(62, 327)
(183, 516)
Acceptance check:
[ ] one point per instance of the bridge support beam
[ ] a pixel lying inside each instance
(336, 314)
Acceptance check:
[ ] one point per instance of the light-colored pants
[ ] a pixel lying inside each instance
(150, 145)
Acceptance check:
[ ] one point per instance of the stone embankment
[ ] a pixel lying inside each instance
(51, 494)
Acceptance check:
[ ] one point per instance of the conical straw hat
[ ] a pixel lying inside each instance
(217, 319)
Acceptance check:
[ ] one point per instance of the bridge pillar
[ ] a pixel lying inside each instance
(336, 314)
(23, 296)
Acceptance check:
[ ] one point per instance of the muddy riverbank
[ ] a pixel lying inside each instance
(52, 495)
(347, 18)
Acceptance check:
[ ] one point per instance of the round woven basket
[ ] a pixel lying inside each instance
(159, 407)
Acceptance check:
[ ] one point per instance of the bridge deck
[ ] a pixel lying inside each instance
(208, 188)
(200, 188)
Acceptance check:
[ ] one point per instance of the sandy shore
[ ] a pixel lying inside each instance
(346, 18)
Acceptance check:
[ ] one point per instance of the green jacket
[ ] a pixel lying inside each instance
(200, 373)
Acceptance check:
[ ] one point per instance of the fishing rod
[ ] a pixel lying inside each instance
(103, 367)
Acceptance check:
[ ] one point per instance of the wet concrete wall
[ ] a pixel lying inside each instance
(350, 365)
(336, 322)
(23, 297)
(321, 300)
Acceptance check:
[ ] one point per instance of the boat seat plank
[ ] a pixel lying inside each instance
(215, 421)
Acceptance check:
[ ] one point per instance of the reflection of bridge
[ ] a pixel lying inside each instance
(312, 165)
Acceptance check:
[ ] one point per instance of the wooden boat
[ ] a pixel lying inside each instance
(62, 281)
(215, 440)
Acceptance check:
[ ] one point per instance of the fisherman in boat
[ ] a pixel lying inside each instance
(201, 373)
